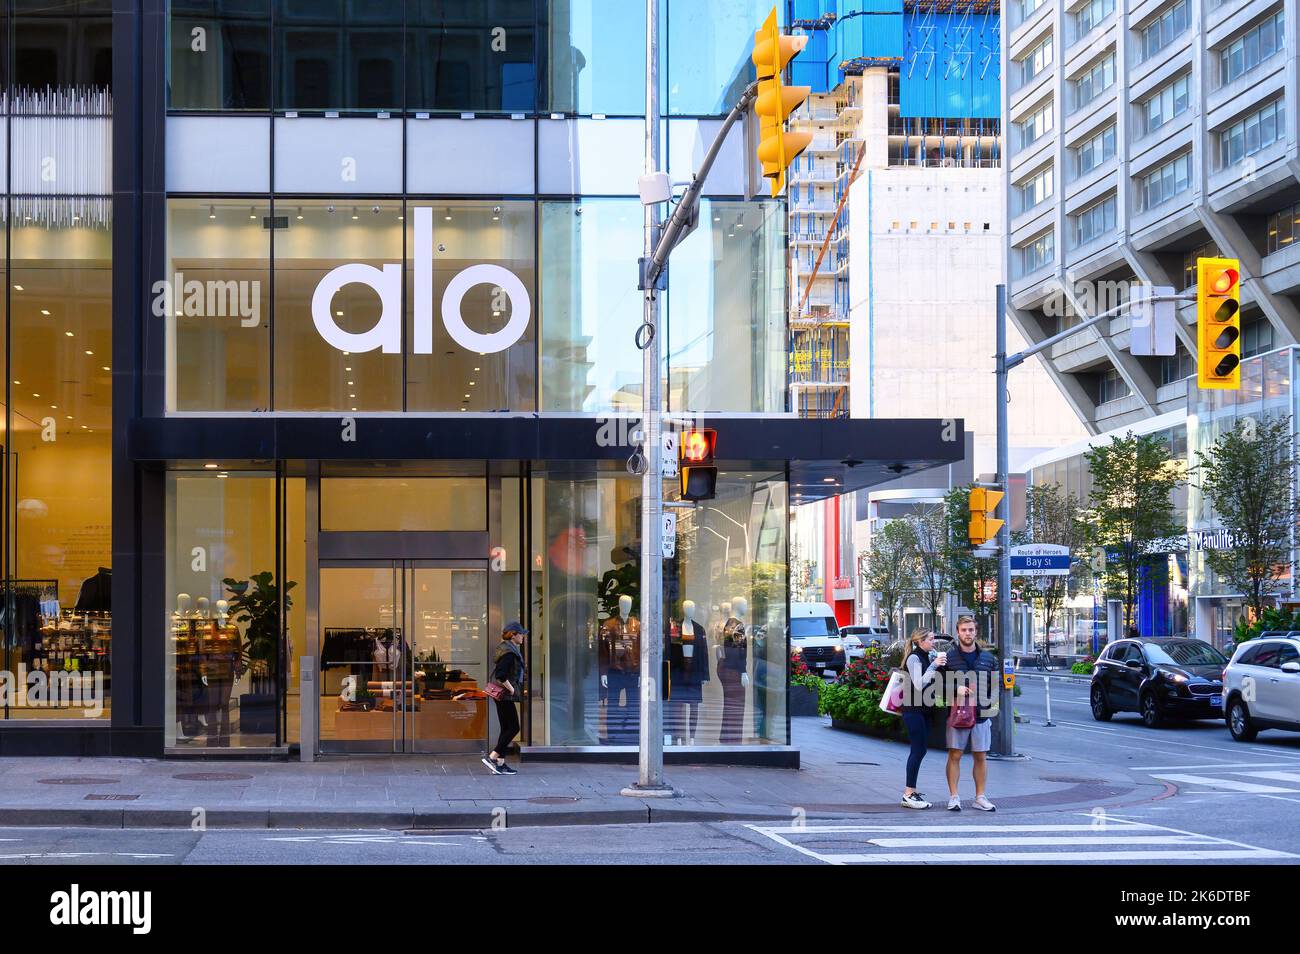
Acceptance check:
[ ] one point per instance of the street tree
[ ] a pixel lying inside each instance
(1053, 516)
(1246, 476)
(929, 525)
(1132, 509)
(889, 568)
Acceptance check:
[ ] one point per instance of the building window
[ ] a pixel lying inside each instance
(1036, 60)
(1095, 151)
(1094, 222)
(1027, 8)
(1208, 250)
(335, 56)
(231, 67)
(1283, 229)
(1252, 134)
(1112, 387)
(1036, 189)
(1252, 48)
(1176, 367)
(1256, 337)
(1158, 187)
(1038, 253)
(1092, 14)
(596, 58)
(1165, 28)
(1162, 106)
(1094, 82)
(1034, 126)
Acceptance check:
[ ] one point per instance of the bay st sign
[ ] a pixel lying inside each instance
(1040, 559)
(386, 335)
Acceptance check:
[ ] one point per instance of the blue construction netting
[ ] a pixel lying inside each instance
(951, 65)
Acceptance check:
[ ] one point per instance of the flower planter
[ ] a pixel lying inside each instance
(937, 738)
(803, 701)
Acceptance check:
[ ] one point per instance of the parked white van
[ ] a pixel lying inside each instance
(815, 636)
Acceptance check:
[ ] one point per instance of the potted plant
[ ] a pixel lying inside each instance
(805, 687)
(431, 669)
(256, 606)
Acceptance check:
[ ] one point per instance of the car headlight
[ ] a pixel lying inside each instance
(1177, 677)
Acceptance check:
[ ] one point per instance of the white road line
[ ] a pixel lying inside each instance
(1225, 766)
(1247, 787)
(1273, 776)
(1189, 854)
(956, 826)
(1042, 841)
(1134, 738)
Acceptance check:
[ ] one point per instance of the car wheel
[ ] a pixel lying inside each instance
(1239, 723)
(1152, 717)
(1100, 709)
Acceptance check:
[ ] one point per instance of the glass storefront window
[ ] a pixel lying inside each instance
(589, 305)
(477, 56)
(60, 451)
(597, 57)
(724, 607)
(62, 48)
(215, 300)
(469, 234)
(332, 55)
(726, 339)
(311, 374)
(410, 503)
(220, 54)
(223, 634)
(709, 45)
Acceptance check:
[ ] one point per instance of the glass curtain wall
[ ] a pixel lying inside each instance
(57, 421)
(725, 605)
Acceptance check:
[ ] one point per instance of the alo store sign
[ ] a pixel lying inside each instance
(386, 335)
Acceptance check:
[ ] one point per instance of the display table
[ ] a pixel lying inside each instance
(452, 719)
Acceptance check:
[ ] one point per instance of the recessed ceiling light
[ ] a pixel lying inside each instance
(467, 396)
(54, 407)
(339, 313)
(352, 395)
(18, 382)
(45, 311)
(471, 384)
(68, 416)
(476, 369)
(106, 368)
(90, 352)
(350, 384)
(299, 213)
(210, 466)
(68, 333)
(212, 211)
(354, 212)
(223, 476)
(252, 213)
(18, 288)
(354, 409)
(347, 369)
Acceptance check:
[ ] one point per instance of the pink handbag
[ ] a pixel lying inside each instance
(961, 717)
(495, 690)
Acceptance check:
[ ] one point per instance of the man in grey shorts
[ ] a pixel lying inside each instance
(972, 670)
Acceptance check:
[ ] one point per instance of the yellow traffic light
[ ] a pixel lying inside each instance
(1218, 322)
(983, 525)
(776, 101)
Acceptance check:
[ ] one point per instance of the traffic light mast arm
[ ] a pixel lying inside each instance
(685, 216)
(1019, 358)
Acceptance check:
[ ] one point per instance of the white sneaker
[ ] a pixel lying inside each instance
(914, 800)
(954, 804)
(984, 805)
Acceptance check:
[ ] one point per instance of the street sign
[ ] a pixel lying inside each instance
(669, 455)
(1040, 559)
(669, 534)
(1151, 323)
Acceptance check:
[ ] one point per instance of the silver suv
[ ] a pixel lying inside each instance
(1261, 685)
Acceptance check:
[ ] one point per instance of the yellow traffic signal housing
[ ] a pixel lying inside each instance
(695, 468)
(1218, 323)
(983, 525)
(776, 101)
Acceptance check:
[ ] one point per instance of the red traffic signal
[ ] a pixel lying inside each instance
(699, 478)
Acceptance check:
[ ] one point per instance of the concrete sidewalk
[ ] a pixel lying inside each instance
(843, 775)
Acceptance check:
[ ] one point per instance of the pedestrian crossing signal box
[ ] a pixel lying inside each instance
(697, 472)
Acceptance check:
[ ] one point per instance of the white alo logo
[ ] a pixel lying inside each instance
(386, 335)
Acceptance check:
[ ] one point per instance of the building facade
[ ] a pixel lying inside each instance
(320, 368)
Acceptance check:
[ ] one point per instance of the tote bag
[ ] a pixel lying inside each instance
(891, 700)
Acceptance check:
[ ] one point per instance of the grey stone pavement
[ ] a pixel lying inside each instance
(842, 775)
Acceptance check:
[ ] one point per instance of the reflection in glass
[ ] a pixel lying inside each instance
(339, 55)
(597, 57)
(466, 233)
(709, 46)
(60, 450)
(310, 374)
(217, 305)
(410, 503)
(223, 629)
(477, 57)
(220, 54)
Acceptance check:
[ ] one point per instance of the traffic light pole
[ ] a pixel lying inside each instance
(1004, 744)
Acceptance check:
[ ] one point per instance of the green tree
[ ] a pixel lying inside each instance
(1053, 516)
(1133, 479)
(889, 568)
(1246, 477)
(929, 525)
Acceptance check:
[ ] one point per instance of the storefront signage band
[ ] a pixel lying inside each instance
(386, 335)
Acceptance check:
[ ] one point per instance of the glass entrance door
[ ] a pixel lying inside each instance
(403, 656)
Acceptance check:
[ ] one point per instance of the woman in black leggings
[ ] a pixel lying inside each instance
(508, 670)
(919, 672)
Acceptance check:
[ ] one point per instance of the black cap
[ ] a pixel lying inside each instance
(515, 627)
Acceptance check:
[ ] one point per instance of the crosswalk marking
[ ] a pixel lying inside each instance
(1275, 776)
(1252, 788)
(1112, 840)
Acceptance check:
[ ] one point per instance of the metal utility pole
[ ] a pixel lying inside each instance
(650, 774)
(1004, 743)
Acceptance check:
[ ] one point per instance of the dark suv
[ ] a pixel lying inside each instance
(1160, 678)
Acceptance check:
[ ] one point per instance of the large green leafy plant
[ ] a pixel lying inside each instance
(256, 606)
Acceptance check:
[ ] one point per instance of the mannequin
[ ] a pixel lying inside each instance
(620, 670)
(183, 605)
(688, 670)
(223, 611)
(733, 671)
(201, 607)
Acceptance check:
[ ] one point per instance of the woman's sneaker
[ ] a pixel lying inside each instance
(954, 804)
(984, 805)
(914, 800)
(506, 769)
(493, 767)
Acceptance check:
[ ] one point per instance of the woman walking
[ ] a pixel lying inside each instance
(920, 673)
(508, 671)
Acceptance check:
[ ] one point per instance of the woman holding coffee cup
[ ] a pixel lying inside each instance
(920, 673)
